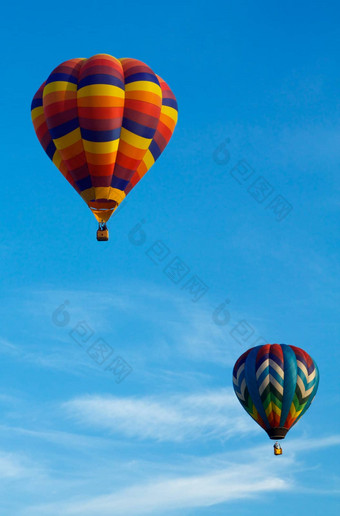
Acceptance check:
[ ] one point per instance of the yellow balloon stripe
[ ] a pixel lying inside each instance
(144, 86)
(134, 140)
(101, 90)
(112, 194)
(36, 112)
(100, 147)
(68, 140)
(170, 112)
(148, 159)
(59, 86)
(57, 159)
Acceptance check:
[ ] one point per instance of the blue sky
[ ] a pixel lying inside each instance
(257, 87)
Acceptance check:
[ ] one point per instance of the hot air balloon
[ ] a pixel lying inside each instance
(275, 384)
(104, 122)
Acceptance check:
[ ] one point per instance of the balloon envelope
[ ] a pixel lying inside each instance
(275, 384)
(104, 122)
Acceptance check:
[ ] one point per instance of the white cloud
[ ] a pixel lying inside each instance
(313, 444)
(60, 438)
(174, 329)
(66, 358)
(214, 414)
(164, 487)
(160, 496)
(13, 466)
(7, 346)
(187, 326)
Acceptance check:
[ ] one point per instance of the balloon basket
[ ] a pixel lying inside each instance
(278, 452)
(102, 235)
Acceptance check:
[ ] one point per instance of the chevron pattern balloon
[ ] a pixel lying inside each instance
(275, 384)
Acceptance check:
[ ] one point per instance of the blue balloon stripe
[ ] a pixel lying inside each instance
(170, 102)
(276, 375)
(65, 77)
(50, 149)
(276, 359)
(139, 129)
(118, 183)
(240, 380)
(155, 150)
(262, 376)
(37, 102)
(251, 382)
(311, 397)
(307, 384)
(260, 361)
(141, 76)
(84, 183)
(302, 375)
(290, 376)
(302, 359)
(100, 136)
(63, 129)
(100, 78)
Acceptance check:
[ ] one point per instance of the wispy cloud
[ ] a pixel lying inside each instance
(292, 447)
(5, 344)
(213, 414)
(166, 495)
(60, 438)
(66, 359)
(178, 326)
(15, 466)
(170, 486)
(173, 329)
(316, 443)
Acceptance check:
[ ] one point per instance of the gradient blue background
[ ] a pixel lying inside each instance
(170, 438)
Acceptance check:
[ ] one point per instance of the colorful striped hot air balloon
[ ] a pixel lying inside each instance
(104, 122)
(275, 384)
